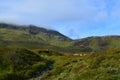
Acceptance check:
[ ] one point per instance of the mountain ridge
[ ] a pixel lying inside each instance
(32, 29)
(37, 37)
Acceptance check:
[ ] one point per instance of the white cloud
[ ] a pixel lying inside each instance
(58, 10)
(62, 15)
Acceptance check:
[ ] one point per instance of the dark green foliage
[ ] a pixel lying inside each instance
(11, 76)
(49, 52)
(20, 64)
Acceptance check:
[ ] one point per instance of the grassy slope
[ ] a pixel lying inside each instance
(19, 64)
(33, 34)
(99, 43)
(94, 66)
(21, 38)
(34, 39)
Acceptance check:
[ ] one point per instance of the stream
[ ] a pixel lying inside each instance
(43, 71)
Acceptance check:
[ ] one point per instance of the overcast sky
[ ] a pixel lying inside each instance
(74, 18)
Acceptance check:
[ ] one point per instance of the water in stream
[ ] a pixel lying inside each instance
(42, 72)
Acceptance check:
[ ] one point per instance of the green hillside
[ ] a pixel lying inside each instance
(98, 43)
(33, 37)
(85, 66)
(20, 64)
(35, 53)
(36, 35)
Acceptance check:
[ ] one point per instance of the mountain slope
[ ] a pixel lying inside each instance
(34, 30)
(92, 66)
(30, 52)
(31, 34)
(98, 43)
(34, 37)
(20, 63)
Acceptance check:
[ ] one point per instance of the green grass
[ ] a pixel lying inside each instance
(20, 63)
(93, 66)
(27, 51)
(16, 35)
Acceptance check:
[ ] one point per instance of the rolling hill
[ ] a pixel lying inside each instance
(30, 35)
(34, 37)
(98, 43)
(36, 53)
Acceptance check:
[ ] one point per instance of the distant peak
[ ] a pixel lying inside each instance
(34, 30)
